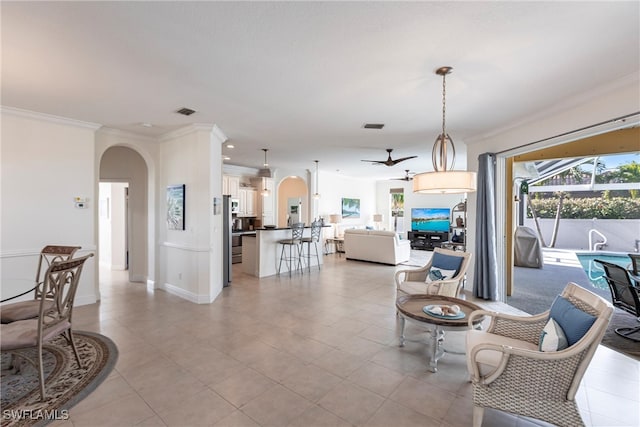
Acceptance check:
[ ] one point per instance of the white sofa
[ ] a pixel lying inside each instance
(376, 246)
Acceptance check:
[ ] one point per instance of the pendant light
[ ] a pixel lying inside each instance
(265, 191)
(316, 195)
(444, 179)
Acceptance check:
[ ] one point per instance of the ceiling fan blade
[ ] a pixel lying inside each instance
(375, 161)
(396, 161)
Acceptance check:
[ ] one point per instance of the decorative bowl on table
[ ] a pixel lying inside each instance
(452, 312)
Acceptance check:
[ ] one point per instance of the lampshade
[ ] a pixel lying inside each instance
(335, 218)
(377, 218)
(444, 180)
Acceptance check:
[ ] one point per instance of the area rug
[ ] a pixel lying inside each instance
(65, 383)
(615, 342)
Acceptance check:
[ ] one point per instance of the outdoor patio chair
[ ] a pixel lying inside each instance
(29, 309)
(21, 338)
(527, 365)
(624, 295)
(444, 275)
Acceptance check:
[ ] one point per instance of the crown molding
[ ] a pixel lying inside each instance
(218, 134)
(194, 127)
(126, 134)
(48, 117)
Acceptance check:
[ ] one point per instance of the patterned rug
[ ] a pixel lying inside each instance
(65, 383)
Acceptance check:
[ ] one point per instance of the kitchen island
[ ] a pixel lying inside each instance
(261, 253)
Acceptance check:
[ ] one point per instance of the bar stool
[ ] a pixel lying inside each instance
(316, 228)
(295, 247)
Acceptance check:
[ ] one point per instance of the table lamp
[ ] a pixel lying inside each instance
(335, 219)
(377, 219)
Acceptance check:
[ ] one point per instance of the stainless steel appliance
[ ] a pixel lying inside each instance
(235, 205)
(227, 228)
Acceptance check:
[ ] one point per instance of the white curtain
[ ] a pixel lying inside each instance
(485, 283)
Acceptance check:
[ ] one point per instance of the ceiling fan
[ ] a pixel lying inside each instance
(406, 176)
(389, 161)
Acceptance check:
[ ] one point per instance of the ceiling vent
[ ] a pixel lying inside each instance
(264, 173)
(373, 125)
(186, 111)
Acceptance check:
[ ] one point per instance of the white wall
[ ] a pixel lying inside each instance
(616, 99)
(190, 260)
(333, 187)
(45, 162)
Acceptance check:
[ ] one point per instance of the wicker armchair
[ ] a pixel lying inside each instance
(412, 281)
(510, 374)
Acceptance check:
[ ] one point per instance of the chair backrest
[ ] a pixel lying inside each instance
(316, 229)
(60, 284)
(596, 306)
(48, 255)
(464, 259)
(296, 231)
(623, 294)
(635, 263)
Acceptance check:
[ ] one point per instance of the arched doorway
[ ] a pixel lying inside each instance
(292, 201)
(127, 167)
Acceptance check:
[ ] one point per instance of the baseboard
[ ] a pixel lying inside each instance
(184, 294)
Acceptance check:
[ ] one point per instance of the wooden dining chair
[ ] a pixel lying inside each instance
(29, 309)
(54, 317)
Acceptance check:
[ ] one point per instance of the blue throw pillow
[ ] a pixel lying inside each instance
(573, 321)
(446, 262)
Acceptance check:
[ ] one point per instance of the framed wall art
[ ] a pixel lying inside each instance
(350, 208)
(175, 207)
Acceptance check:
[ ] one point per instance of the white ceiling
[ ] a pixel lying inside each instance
(301, 78)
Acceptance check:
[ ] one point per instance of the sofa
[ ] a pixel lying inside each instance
(384, 247)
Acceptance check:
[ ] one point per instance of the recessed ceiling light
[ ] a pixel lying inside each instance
(226, 158)
(146, 125)
(373, 125)
(230, 145)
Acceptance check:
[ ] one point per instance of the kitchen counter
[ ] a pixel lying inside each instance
(243, 233)
(261, 255)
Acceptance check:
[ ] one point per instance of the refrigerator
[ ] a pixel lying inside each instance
(227, 228)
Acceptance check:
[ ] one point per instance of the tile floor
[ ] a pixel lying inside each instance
(317, 349)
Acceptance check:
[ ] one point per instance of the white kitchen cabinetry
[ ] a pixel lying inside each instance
(247, 201)
(267, 203)
(231, 185)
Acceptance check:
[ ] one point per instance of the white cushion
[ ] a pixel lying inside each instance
(552, 337)
(436, 273)
(490, 359)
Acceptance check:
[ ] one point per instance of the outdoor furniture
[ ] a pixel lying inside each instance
(527, 251)
(624, 295)
(29, 309)
(21, 337)
(635, 268)
(415, 281)
(518, 364)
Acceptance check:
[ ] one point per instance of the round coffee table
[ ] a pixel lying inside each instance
(410, 307)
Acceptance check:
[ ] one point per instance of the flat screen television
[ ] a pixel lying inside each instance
(430, 219)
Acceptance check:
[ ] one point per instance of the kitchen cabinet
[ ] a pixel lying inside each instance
(267, 203)
(231, 185)
(247, 201)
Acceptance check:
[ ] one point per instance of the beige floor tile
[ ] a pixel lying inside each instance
(154, 421)
(376, 378)
(202, 409)
(236, 419)
(340, 363)
(424, 398)
(127, 410)
(316, 416)
(392, 414)
(241, 388)
(111, 389)
(311, 382)
(352, 403)
(276, 407)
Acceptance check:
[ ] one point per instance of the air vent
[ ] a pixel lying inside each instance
(373, 125)
(186, 111)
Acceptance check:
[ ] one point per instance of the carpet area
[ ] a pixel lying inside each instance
(65, 383)
(622, 319)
